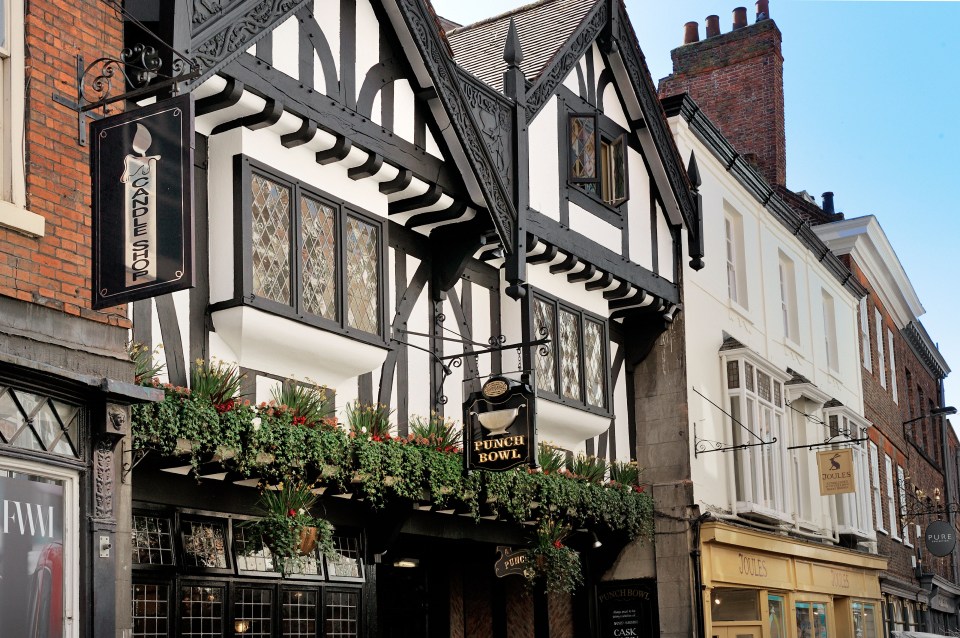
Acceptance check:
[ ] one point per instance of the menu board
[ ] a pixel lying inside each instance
(628, 609)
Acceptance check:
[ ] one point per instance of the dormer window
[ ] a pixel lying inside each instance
(309, 257)
(598, 164)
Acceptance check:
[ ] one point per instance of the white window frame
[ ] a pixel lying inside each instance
(865, 335)
(876, 491)
(71, 534)
(763, 480)
(736, 260)
(891, 499)
(902, 490)
(853, 510)
(881, 358)
(13, 185)
(830, 332)
(893, 366)
(788, 299)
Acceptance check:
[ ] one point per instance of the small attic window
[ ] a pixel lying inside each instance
(597, 162)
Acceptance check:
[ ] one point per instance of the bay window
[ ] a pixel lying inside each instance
(306, 256)
(572, 368)
(756, 400)
(853, 510)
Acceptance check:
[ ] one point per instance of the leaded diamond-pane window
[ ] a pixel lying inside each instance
(271, 240)
(250, 556)
(593, 361)
(204, 544)
(569, 355)
(583, 148)
(37, 422)
(310, 258)
(571, 368)
(152, 541)
(543, 319)
(362, 275)
(319, 254)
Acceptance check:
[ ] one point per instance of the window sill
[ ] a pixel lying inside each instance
(740, 310)
(270, 343)
(566, 426)
(883, 531)
(21, 220)
(610, 213)
(790, 344)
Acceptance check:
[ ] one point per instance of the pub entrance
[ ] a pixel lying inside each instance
(403, 599)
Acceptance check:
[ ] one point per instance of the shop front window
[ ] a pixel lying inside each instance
(811, 620)
(734, 605)
(777, 616)
(864, 620)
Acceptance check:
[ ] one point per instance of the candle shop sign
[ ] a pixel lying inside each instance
(141, 172)
(627, 609)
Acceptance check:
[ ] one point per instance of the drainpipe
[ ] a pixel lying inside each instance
(698, 574)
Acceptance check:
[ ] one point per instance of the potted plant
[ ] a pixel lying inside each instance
(288, 528)
(550, 561)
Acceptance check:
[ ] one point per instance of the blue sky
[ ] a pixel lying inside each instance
(872, 91)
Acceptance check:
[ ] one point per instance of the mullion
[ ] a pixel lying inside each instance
(558, 353)
(342, 257)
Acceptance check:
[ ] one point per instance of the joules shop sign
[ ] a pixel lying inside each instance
(142, 202)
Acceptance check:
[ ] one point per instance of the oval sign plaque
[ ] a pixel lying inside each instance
(940, 538)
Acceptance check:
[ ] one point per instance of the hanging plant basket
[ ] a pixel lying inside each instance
(308, 540)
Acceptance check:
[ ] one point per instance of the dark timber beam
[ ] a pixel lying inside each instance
(398, 183)
(566, 265)
(368, 169)
(584, 275)
(301, 136)
(453, 247)
(339, 150)
(605, 280)
(619, 292)
(229, 96)
(437, 216)
(269, 116)
(429, 198)
(545, 257)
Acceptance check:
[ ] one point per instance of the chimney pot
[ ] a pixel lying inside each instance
(691, 32)
(713, 26)
(828, 203)
(763, 10)
(739, 18)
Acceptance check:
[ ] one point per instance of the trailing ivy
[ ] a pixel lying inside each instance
(268, 441)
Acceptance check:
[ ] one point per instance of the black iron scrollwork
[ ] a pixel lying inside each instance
(138, 66)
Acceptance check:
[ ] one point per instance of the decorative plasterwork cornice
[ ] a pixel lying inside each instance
(864, 240)
(436, 58)
(751, 180)
(923, 346)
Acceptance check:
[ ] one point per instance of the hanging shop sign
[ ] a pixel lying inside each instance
(628, 609)
(835, 469)
(31, 556)
(499, 428)
(940, 538)
(511, 561)
(142, 167)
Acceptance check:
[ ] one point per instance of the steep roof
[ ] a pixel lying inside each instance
(543, 27)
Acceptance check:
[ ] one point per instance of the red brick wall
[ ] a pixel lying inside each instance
(55, 270)
(737, 79)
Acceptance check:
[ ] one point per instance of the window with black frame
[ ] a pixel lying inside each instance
(598, 161)
(573, 367)
(204, 576)
(308, 256)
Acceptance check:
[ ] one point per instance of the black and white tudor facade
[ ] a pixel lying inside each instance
(377, 189)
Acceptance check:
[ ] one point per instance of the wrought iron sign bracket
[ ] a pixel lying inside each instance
(828, 443)
(138, 67)
(705, 446)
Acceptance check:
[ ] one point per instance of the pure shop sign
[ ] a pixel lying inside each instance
(498, 425)
(835, 469)
(142, 163)
(940, 538)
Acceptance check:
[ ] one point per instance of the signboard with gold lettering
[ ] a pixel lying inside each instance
(835, 469)
(510, 561)
(628, 609)
(498, 426)
(750, 568)
(142, 168)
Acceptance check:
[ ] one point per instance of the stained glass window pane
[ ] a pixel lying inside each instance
(583, 147)
(363, 285)
(253, 612)
(298, 613)
(594, 372)
(347, 563)
(201, 612)
(545, 363)
(150, 611)
(250, 556)
(203, 544)
(342, 613)
(319, 258)
(619, 171)
(152, 541)
(569, 355)
(271, 240)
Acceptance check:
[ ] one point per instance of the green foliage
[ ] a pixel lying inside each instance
(309, 405)
(625, 472)
(436, 432)
(588, 468)
(550, 459)
(217, 382)
(550, 561)
(369, 420)
(145, 368)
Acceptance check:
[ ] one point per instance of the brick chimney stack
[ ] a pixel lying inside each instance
(737, 79)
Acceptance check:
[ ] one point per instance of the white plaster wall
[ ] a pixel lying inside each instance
(598, 230)
(612, 107)
(368, 42)
(545, 161)
(638, 212)
(421, 320)
(664, 246)
(620, 410)
(403, 109)
(571, 81)
(286, 47)
(539, 276)
(327, 13)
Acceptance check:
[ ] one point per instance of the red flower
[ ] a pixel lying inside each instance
(226, 406)
(292, 512)
(638, 489)
(557, 544)
(299, 420)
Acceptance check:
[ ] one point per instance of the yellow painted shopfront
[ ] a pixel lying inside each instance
(761, 585)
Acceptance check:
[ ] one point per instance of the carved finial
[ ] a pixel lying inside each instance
(693, 172)
(512, 53)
